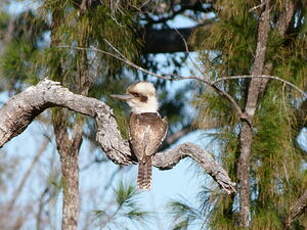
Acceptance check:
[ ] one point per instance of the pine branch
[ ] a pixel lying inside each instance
(213, 84)
(21, 109)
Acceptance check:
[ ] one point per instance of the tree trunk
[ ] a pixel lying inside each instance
(250, 109)
(20, 110)
(256, 87)
(68, 151)
(71, 202)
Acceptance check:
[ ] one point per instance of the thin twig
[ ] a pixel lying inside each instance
(298, 208)
(165, 77)
(115, 49)
(188, 51)
(208, 82)
(211, 84)
(256, 7)
(261, 76)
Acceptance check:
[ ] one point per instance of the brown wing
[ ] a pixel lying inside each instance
(147, 131)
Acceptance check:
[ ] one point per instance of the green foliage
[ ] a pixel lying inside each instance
(277, 173)
(22, 45)
(17, 64)
(4, 19)
(184, 214)
(125, 194)
(234, 46)
(93, 27)
(214, 111)
(126, 209)
(275, 162)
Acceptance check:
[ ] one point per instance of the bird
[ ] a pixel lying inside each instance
(147, 129)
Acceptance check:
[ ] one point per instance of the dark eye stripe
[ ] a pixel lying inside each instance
(142, 98)
(135, 94)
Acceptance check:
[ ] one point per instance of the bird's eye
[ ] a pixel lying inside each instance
(135, 94)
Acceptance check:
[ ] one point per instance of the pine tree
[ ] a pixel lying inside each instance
(274, 169)
(259, 146)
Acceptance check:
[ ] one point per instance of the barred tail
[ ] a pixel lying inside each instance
(144, 174)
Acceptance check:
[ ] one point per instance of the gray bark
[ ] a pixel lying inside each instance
(68, 147)
(250, 108)
(256, 87)
(21, 109)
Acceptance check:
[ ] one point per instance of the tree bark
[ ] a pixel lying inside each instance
(68, 150)
(255, 89)
(70, 183)
(68, 147)
(250, 108)
(21, 109)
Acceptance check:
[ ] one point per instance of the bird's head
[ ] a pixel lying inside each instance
(141, 97)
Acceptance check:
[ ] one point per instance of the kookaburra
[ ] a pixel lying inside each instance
(147, 129)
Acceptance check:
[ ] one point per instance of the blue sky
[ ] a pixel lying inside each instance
(184, 180)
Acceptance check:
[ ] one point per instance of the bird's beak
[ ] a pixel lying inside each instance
(123, 97)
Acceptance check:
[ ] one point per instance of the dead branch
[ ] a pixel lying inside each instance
(263, 76)
(169, 158)
(206, 81)
(297, 209)
(21, 109)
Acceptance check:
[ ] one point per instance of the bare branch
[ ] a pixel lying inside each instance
(187, 50)
(169, 158)
(20, 110)
(211, 84)
(261, 76)
(297, 209)
(173, 77)
(256, 7)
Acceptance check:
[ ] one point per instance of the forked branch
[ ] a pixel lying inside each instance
(21, 109)
(212, 84)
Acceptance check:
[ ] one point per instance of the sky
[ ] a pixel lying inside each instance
(182, 182)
